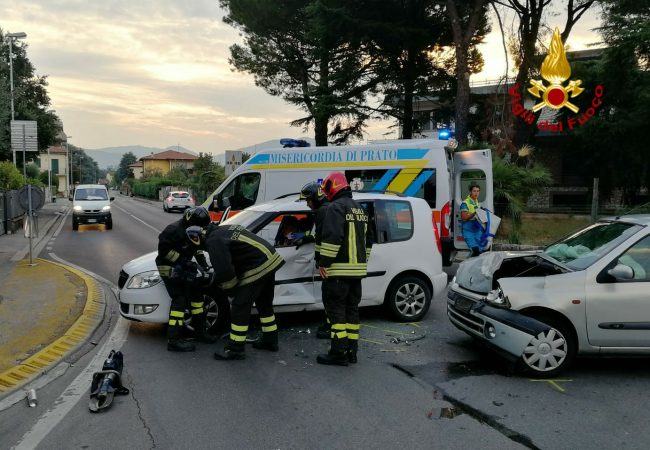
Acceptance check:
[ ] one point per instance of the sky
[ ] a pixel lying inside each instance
(156, 73)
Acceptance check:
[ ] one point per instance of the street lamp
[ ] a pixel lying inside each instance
(11, 37)
(69, 165)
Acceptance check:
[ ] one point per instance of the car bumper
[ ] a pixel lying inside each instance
(134, 301)
(507, 331)
(91, 217)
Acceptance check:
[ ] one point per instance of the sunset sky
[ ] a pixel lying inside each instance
(156, 73)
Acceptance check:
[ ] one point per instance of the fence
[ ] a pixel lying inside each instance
(11, 213)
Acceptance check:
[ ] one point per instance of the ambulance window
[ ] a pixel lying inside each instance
(240, 192)
(366, 180)
(472, 177)
(394, 221)
(424, 187)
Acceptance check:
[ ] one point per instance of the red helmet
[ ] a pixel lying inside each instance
(333, 184)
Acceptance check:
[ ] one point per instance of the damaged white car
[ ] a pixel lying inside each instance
(586, 294)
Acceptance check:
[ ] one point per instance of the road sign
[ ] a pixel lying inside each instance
(37, 197)
(24, 136)
(233, 160)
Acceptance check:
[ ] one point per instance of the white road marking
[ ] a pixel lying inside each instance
(76, 390)
(137, 218)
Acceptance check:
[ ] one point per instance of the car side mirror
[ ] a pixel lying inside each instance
(621, 272)
(112, 198)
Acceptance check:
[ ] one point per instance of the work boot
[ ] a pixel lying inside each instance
(333, 358)
(352, 351)
(324, 331)
(232, 351)
(180, 345)
(268, 341)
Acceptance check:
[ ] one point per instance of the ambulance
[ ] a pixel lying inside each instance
(424, 168)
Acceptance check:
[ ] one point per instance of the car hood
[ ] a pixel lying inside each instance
(479, 274)
(141, 264)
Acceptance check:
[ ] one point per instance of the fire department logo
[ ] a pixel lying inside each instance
(555, 70)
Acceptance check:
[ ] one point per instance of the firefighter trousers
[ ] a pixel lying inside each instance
(261, 294)
(341, 301)
(185, 296)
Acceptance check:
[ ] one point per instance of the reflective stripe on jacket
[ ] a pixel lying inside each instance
(238, 256)
(346, 239)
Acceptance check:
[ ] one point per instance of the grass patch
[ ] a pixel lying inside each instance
(541, 229)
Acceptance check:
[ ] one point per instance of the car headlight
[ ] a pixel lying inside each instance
(77, 208)
(106, 208)
(496, 297)
(144, 280)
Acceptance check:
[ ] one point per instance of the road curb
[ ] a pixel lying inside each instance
(46, 359)
(20, 254)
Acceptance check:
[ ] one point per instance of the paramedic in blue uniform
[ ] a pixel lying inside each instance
(472, 229)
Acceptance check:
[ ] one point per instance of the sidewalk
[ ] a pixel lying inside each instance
(46, 309)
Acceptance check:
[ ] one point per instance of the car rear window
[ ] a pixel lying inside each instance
(180, 194)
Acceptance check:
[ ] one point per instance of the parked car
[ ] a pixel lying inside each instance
(586, 294)
(178, 200)
(90, 205)
(404, 270)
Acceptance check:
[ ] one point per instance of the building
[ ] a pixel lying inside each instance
(56, 160)
(165, 161)
(138, 169)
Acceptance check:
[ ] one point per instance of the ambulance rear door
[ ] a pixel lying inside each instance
(471, 167)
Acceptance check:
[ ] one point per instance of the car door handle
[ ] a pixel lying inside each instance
(303, 260)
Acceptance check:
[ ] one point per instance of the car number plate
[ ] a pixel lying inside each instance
(464, 304)
(92, 220)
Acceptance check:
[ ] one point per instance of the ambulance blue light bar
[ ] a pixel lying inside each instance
(290, 143)
(444, 134)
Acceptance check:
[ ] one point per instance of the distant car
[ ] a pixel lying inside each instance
(404, 270)
(91, 204)
(586, 294)
(178, 200)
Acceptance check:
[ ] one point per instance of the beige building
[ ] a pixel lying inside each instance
(166, 161)
(56, 160)
(138, 169)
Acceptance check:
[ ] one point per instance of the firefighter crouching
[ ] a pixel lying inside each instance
(316, 200)
(345, 244)
(178, 243)
(245, 267)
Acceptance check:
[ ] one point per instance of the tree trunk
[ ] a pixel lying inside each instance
(321, 117)
(320, 131)
(462, 95)
(409, 87)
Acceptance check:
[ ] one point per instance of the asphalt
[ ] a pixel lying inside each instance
(47, 309)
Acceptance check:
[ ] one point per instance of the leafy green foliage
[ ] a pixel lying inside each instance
(31, 100)
(10, 177)
(124, 171)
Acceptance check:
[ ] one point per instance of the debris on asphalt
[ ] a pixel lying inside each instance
(31, 398)
(406, 339)
(282, 362)
(495, 403)
(302, 354)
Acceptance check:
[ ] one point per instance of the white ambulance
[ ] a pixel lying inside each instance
(427, 169)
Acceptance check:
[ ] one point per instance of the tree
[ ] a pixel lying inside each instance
(84, 169)
(207, 174)
(307, 53)
(31, 100)
(469, 25)
(124, 171)
(407, 37)
(610, 143)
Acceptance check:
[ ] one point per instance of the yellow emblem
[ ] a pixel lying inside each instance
(556, 70)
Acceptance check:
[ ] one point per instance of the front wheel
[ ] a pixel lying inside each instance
(408, 298)
(217, 313)
(550, 352)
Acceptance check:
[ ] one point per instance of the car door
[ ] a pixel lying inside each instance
(618, 309)
(294, 281)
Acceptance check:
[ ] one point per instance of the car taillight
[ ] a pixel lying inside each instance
(435, 232)
(445, 220)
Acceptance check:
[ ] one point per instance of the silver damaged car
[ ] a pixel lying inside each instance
(586, 294)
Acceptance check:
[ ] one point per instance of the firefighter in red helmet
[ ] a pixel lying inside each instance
(345, 244)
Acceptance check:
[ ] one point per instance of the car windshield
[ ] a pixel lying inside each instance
(244, 218)
(90, 194)
(582, 249)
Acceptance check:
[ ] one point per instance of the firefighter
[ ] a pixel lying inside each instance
(345, 245)
(244, 268)
(177, 245)
(316, 200)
